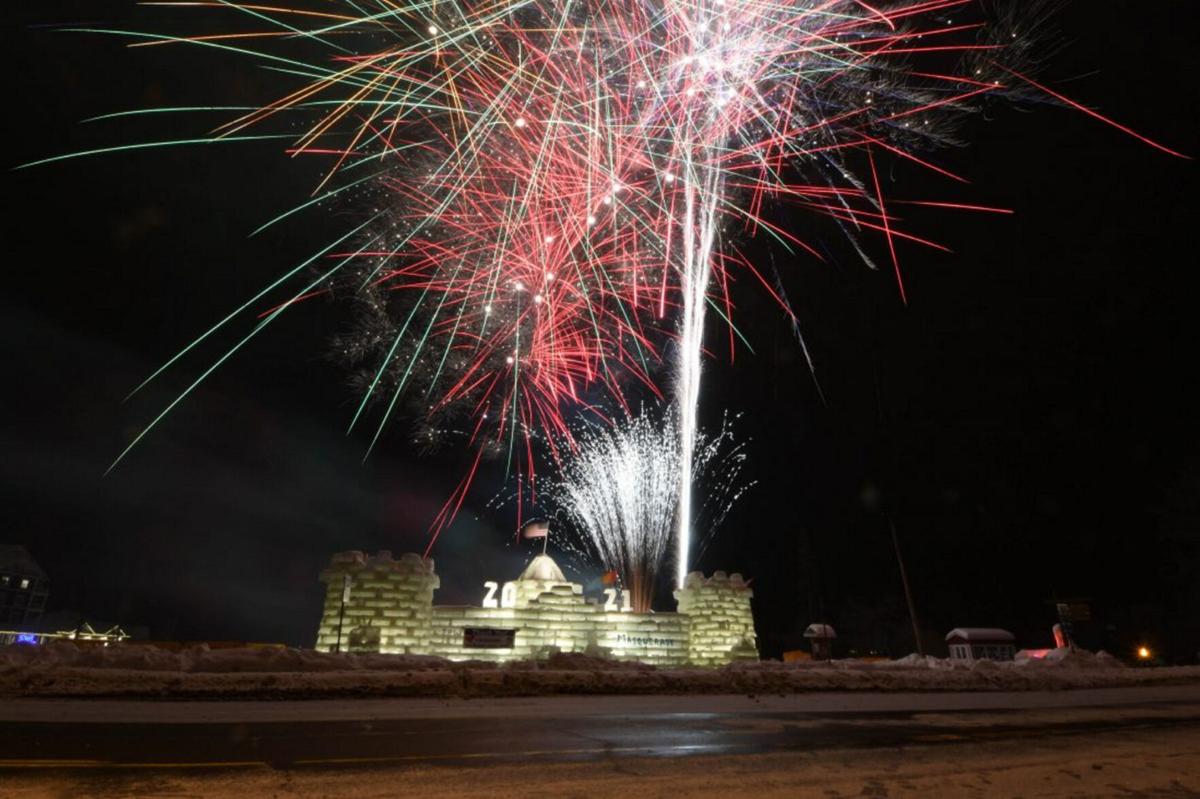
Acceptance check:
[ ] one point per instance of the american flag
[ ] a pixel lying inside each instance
(536, 530)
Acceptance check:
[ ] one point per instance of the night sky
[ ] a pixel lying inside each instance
(1028, 421)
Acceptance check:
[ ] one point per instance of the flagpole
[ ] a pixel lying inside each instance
(545, 541)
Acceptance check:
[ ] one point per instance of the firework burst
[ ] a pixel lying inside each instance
(558, 186)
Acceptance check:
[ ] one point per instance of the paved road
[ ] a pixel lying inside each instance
(36, 735)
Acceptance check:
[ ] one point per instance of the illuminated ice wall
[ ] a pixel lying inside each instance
(380, 604)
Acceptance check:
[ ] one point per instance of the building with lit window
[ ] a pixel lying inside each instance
(23, 588)
(980, 643)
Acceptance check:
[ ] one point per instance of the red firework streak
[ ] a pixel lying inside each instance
(533, 160)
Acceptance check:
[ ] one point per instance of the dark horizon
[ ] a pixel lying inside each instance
(1028, 419)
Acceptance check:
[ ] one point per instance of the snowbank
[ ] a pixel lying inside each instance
(70, 670)
(199, 658)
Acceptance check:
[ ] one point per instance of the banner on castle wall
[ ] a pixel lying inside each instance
(488, 638)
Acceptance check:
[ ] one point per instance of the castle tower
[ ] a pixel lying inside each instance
(721, 623)
(388, 605)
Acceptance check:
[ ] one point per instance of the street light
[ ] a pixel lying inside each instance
(1144, 653)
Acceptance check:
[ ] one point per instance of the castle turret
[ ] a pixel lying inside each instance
(387, 603)
(721, 627)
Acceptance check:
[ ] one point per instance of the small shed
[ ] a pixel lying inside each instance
(980, 643)
(821, 636)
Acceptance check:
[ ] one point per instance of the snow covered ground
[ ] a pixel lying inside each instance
(70, 670)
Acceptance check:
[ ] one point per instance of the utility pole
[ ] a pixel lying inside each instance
(912, 611)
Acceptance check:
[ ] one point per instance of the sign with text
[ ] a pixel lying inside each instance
(649, 640)
(488, 638)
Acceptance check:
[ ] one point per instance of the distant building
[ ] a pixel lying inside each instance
(980, 643)
(23, 588)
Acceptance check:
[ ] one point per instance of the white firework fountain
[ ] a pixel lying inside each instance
(619, 488)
